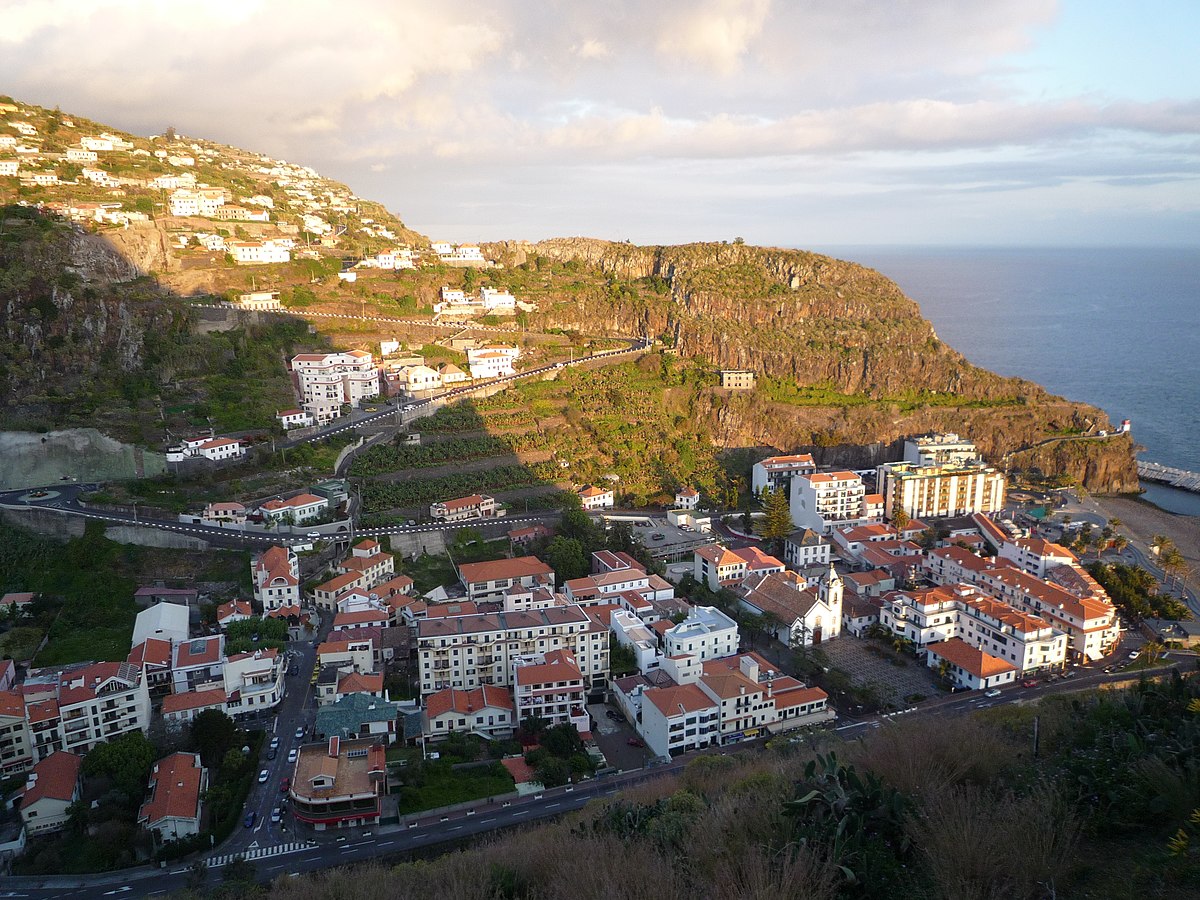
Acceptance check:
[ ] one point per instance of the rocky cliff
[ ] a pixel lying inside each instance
(854, 366)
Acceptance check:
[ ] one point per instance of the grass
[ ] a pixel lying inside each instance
(20, 642)
(443, 786)
(428, 571)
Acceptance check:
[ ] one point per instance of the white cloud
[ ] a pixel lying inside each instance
(419, 100)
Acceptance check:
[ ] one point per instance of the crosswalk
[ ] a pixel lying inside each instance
(259, 853)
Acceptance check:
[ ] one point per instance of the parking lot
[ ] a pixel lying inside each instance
(612, 737)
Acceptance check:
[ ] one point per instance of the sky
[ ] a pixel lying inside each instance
(798, 123)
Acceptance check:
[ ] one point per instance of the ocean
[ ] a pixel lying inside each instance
(1115, 327)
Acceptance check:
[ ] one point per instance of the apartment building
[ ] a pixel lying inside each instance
(823, 501)
(368, 560)
(469, 651)
(276, 577)
(940, 490)
(550, 686)
(253, 682)
(679, 718)
(476, 506)
(484, 580)
(706, 633)
(776, 472)
(492, 361)
(719, 567)
(940, 449)
(81, 707)
(16, 740)
(325, 381)
(1025, 641)
(805, 547)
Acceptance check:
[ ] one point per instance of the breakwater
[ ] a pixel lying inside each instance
(1168, 475)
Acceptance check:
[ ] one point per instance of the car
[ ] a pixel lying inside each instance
(300, 733)
(249, 820)
(313, 535)
(994, 692)
(635, 742)
(614, 715)
(272, 752)
(1134, 654)
(276, 815)
(275, 742)
(1029, 682)
(285, 785)
(263, 776)
(292, 754)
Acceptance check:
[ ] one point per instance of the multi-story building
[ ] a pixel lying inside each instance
(776, 472)
(940, 450)
(294, 418)
(823, 501)
(368, 559)
(678, 718)
(339, 783)
(473, 650)
(276, 577)
(804, 547)
(687, 498)
(328, 380)
(258, 253)
(706, 633)
(177, 786)
(1027, 642)
(79, 708)
(476, 506)
(16, 740)
(492, 361)
(550, 686)
(737, 379)
(487, 711)
(197, 664)
(718, 566)
(940, 490)
(485, 580)
(967, 666)
(253, 682)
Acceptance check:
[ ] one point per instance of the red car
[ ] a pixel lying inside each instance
(1029, 682)
(635, 742)
(285, 785)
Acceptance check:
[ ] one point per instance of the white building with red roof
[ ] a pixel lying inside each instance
(550, 686)
(153, 656)
(596, 498)
(276, 577)
(487, 711)
(50, 789)
(687, 498)
(295, 510)
(776, 472)
(717, 566)
(176, 791)
(485, 580)
(326, 381)
(476, 506)
(492, 361)
(968, 666)
(823, 501)
(233, 611)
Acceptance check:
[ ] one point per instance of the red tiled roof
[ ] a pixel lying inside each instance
(192, 700)
(496, 570)
(57, 776)
(175, 785)
(454, 700)
(970, 659)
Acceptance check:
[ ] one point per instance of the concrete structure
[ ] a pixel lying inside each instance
(939, 450)
(776, 472)
(339, 783)
(166, 621)
(706, 633)
(823, 501)
(938, 491)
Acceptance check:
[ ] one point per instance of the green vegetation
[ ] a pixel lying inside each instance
(453, 778)
(255, 633)
(398, 455)
(384, 495)
(1135, 592)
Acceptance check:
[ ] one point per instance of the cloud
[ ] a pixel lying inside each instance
(704, 105)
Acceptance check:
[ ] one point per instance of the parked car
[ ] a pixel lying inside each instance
(263, 776)
(275, 742)
(635, 742)
(994, 692)
(300, 733)
(276, 815)
(285, 785)
(1134, 654)
(249, 820)
(272, 753)
(614, 715)
(1029, 682)
(314, 534)
(292, 754)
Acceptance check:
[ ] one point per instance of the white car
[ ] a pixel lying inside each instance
(276, 815)
(263, 776)
(292, 754)
(994, 692)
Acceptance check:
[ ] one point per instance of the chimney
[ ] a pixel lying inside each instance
(334, 742)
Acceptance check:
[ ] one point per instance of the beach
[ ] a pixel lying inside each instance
(1143, 520)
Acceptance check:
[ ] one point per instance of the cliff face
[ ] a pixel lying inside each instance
(810, 320)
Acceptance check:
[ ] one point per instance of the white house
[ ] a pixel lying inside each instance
(276, 577)
(294, 418)
(706, 633)
(177, 786)
(596, 498)
(687, 498)
(297, 510)
(50, 788)
(258, 252)
(492, 361)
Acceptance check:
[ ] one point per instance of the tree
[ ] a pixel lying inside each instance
(567, 558)
(562, 741)
(125, 761)
(899, 519)
(621, 659)
(777, 523)
(552, 771)
(212, 734)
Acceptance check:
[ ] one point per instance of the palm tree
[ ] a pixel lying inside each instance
(1172, 563)
(1115, 523)
(1160, 543)
(1120, 542)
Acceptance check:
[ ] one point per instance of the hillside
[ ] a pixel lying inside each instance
(98, 320)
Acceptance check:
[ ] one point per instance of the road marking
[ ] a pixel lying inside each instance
(551, 805)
